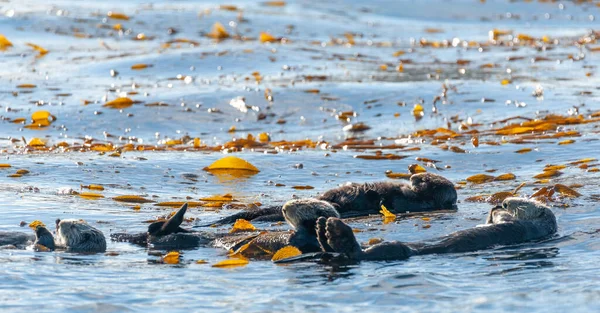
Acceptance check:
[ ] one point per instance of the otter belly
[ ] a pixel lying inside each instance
(480, 238)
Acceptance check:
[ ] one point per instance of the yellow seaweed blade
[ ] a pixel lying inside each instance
(218, 31)
(566, 191)
(480, 178)
(232, 163)
(286, 252)
(266, 37)
(39, 49)
(231, 263)
(388, 216)
(132, 199)
(242, 225)
(4, 43)
(140, 66)
(36, 223)
(90, 195)
(117, 16)
(416, 168)
(40, 115)
(171, 257)
(217, 198)
(36, 142)
(119, 103)
(93, 187)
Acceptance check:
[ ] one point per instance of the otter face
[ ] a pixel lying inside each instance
(303, 213)
(435, 187)
(517, 209)
(525, 209)
(79, 236)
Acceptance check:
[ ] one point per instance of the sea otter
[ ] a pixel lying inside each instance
(71, 235)
(518, 220)
(300, 214)
(425, 192)
(15, 240)
(78, 236)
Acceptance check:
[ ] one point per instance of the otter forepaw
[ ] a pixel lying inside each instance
(341, 238)
(321, 230)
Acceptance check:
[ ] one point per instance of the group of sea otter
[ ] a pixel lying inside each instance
(317, 226)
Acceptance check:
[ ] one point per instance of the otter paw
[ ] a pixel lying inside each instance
(321, 231)
(341, 238)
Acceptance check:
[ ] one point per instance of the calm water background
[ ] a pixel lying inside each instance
(558, 275)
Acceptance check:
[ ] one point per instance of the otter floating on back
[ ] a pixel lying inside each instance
(301, 215)
(425, 192)
(71, 235)
(518, 220)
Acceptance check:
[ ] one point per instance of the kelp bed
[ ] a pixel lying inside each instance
(114, 112)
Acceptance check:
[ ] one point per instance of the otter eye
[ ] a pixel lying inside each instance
(504, 205)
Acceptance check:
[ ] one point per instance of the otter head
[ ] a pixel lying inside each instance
(518, 209)
(302, 214)
(436, 189)
(78, 236)
(43, 237)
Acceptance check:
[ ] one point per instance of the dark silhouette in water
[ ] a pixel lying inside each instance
(518, 220)
(15, 239)
(72, 235)
(425, 192)
(301, 215)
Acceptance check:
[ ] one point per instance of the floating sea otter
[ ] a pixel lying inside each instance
(71, 235)
(301, 215)
(425, 192)
(517, 221)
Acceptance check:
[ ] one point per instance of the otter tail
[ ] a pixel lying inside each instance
(268, 214)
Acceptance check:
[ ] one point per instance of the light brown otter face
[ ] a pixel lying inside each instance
(79, 236)
(305, 212)
(517, 209)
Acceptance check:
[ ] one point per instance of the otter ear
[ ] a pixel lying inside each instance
(172, 224)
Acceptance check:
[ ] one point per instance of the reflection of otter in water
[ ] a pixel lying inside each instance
(518, 220)
(425, 192)
(71, 235)
(301, 215)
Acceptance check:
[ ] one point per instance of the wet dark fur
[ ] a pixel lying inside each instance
(15, 239)
(78, 236)
(425, 192)
(336, 236)
(43, 237)
(169, 235)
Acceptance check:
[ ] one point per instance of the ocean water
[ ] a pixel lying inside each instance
(332, 64)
